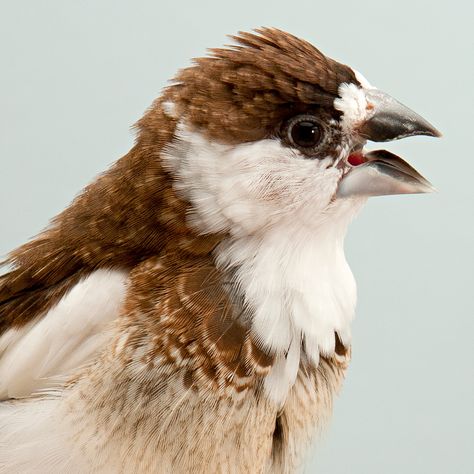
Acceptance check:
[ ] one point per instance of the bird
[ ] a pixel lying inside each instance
(190, 311)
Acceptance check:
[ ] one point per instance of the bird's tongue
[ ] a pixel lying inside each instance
(378, 173)
(356, 159)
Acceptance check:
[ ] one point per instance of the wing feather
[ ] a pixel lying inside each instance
(44, 351)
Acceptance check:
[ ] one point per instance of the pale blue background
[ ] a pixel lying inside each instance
(76, 74)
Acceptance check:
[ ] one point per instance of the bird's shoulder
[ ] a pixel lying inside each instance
(177, 304)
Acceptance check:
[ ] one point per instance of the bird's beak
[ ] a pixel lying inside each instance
(391, 120)
(380, 172)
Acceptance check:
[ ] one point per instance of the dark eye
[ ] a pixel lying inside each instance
(304, 131)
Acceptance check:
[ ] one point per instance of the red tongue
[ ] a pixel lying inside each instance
(356, 159)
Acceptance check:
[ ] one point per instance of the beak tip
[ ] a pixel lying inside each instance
(424, 187)
(432, 131)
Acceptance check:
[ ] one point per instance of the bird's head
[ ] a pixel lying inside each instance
(270, 130)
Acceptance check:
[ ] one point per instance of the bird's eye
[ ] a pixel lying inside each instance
(305, 131)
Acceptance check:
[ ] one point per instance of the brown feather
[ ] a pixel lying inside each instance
(181, 302)
(131, 212)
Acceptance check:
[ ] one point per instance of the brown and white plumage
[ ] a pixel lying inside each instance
(190, 311)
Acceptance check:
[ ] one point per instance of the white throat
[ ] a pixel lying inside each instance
(299, 290)
(285, 248)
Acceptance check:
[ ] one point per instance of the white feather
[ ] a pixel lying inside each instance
(283, 374)
(169, 109)
(34, 439)
(352, 102)
(49, 348)
(286, 238)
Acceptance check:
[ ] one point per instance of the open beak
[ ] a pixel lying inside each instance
(380, 172)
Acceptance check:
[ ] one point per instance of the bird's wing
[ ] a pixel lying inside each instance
(45, 350)
(180, 357)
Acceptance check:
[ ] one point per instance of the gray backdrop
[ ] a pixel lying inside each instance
(76, 74)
